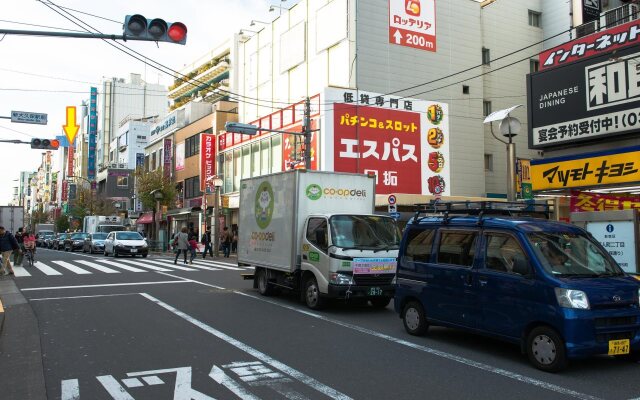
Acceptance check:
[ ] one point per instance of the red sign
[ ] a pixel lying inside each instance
(588, 46)
(293, 148)
(207, 158)
(378, 139)
(65, 191)
(412, 23)
(168, 158)
(70, 161)
(585, 201)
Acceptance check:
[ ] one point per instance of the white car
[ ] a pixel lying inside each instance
(125, 243)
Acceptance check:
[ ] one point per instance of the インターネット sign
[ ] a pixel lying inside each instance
(412, 23)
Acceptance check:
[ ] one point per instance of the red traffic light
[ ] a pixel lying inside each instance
(177, 32)
(45, 144)
(55, 143)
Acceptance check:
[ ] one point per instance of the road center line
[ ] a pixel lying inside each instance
(309, 381)
(82, 297)
(105, 285)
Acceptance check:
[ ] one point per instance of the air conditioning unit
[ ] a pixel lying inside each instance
(114, 165)
(121, 166)
(586, 29)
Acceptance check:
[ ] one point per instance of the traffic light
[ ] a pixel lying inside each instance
(138, 27)
(45, 144)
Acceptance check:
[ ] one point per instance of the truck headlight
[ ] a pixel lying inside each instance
(340, 279)
(145, 245)
(569, 298)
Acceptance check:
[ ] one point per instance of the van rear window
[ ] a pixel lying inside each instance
(457, 248)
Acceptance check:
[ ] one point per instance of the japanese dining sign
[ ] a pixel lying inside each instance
(586, 201)
(404, 142)
(412, 23)
(207, 159)
(592, 99)
(587, 170)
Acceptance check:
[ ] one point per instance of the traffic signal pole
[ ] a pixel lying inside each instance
(77, 35)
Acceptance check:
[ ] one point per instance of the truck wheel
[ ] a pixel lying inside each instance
(264, 288)
(380, 302)
(545, 349)
(414, 319)
(312, 294)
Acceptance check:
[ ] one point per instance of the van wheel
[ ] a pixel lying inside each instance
(312, 294)
(415, 321)
(264, 288)
(380, 302)
(545, 349)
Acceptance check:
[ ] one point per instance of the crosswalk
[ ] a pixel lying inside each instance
(93, 265)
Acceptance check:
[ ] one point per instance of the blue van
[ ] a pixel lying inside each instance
(544, 285)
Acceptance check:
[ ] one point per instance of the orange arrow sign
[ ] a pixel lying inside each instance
(71, 128)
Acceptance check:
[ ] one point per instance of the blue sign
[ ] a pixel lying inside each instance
(139, 160)
(64, 142)
(93, 130)
(395, 215)
(609, 228)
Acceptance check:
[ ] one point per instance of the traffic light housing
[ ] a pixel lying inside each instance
(45, 144)
(156, 29)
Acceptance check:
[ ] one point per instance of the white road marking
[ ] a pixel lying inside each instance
(217, 264)
(189, 280)
(153, 267)
(219, 376)
(98, 267)
(194, 265)
(104, 285)
(70, 390)
(307, 380)
(123, 266)
(20, 271)
(72, 267)
(45, 268)
(83, 297)
(112, 386)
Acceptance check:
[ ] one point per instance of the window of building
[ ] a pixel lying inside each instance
(486, 56)
(465, 89)
(192, 146)
(191, 187)
(276, 154)
(160, 159)
(246, 162)
(255, 159)
(237, 170)
(534, 65)
(122, 182)
(154, 163)
(488, 162)
(457, 248)
(265, 163)
(534, 18)
(486, 108)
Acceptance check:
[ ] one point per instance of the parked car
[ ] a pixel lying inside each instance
(94, 242)
(41, 241)
(50, 240)
(58, 243)
(125, 243)
(75, 241)
(546, 286)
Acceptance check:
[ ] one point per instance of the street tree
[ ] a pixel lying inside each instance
(147, 182)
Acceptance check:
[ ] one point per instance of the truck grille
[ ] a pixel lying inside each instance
(615, 321)
(371, 280)
(605, 337)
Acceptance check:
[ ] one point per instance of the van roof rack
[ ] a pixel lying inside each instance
(482, 208)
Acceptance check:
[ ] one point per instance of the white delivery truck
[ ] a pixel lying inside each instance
(102, 224)
(12, 218)
(316, 233)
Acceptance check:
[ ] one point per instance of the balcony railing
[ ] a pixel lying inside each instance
(195, 82)
(608, 19)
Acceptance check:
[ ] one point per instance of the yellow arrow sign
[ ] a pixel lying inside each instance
(71, 128)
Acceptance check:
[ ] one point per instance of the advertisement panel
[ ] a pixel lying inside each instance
(70, 154)
(586, 201)
(93, 131)
(587, 170)
(588, 46)
(293, 148)
(65, 190)
(523, 178)
(168, 157)
(404, 142)
(180, 156)
(207, 158)
(593, 99)
(412, 23)
(618, 238)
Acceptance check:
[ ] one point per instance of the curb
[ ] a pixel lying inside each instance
(1, 316)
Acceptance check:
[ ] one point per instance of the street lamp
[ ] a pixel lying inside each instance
(157, 196)
(217, 183)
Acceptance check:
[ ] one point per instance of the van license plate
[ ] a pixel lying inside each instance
(134, 250)
(375, 291)
(618, 347)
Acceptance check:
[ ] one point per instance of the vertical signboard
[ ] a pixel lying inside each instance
(618, 238)
(139, 160)
(65, 190)
(168, 157)
(70, 153)
(412, 23)
(404, 142)
(72, 191)
(207, 159)
(590, 10)
(180, 156)
(93, 130)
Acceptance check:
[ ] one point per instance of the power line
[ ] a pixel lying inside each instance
(38, 26)
(86, 13)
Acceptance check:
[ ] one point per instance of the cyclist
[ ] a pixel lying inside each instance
(30, 246)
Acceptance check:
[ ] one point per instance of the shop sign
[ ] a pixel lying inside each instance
(587, 170)
(180, 156)
(168, 157)
(412, 23)
(593, 99)
(70, 159)
(93, 131)
(585, 201)
(588, 46)
(139, 160)
(65, 191)
(207, 158)
(590, 10)
(619, 239)
(293, 147)
(404, 142)
(523, 177)
(169, 123)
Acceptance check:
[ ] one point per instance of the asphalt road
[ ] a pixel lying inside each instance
(119, 328)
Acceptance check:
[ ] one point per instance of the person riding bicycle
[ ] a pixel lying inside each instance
(30, 243)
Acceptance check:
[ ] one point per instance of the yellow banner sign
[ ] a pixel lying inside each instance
(587, 172)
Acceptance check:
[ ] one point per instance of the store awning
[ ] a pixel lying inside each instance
(146, 218)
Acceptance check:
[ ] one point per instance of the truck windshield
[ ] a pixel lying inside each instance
(364, 232)
(565, 254)
(110, 228)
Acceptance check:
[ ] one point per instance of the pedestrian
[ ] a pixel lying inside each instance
(226, 241)
(193, 246)
(8, 244)
(234, 239)
(181, 244)
(206, 241)
(17, 255)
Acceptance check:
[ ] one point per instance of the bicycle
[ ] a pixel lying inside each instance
(29, 256)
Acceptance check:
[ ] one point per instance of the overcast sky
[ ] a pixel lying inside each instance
(47, 74)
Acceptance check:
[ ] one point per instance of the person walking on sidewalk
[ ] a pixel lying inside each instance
(181, 244)
(206, 241)
(226, 241)
(8, 244)
(18, 255)
(193, 246)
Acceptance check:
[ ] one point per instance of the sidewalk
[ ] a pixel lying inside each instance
(20, 351)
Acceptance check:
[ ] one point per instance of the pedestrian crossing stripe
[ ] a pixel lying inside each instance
(146, 265)
(100, 267)
(204, 263)
(45, 268)
(71, 267)
(191, 265)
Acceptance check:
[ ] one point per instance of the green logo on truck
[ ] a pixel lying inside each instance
(313, 256)
(314, 192)
(264, 205)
